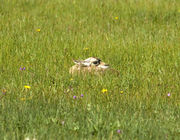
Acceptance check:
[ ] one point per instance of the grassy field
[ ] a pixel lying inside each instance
(139, 38)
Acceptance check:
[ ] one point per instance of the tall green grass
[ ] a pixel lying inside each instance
(140, 39)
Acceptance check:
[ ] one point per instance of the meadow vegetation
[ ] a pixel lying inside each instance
(40, 99)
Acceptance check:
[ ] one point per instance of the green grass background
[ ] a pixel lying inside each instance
(143, 44)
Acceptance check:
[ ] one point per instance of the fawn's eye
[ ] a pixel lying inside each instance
(96, 62)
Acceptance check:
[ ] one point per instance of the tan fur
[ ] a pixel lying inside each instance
(79, 69)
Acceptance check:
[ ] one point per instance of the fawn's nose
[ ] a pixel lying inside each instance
(104, 66)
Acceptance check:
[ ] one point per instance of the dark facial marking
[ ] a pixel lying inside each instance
(97, 62)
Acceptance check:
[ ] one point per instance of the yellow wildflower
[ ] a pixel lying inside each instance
(116, 18)
(121, 91)
(86, 49)
(38, 30)
(71, 79)
(104, 90)
(4, 91)
(179, 10)
(23, 99)
(28, 87)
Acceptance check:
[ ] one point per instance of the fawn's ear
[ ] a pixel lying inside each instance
(76, 62)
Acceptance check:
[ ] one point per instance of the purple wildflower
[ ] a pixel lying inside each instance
(169, 94)
(118, 131)
(74, 97)
(82, 95)
(21, 69)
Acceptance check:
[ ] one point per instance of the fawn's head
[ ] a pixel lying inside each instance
(92, 62)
